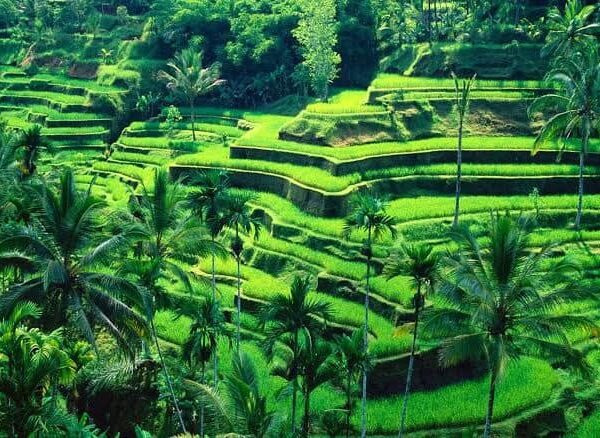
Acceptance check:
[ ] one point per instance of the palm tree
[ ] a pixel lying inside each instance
(167, 236)
(352, 360)
(241, 408)
(32, 143)
(208, 203)
(575, 108)
(63, 257)
(8, 152)
(501, 303)
(570, 30)
(419, 262)
(238, 217)
(189, 80)
(317, 366)
(201, 344)
(462, 90)
(292, 315)
(368, 214)
(32, 365)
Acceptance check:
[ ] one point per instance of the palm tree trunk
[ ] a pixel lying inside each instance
(490, 408)
(306, 419)
(411, 362)
(214, 296)
(363, 429)
(580, 191)
(167, 377)
(202, 405)
(458, 172)
(193, 117)
(294, 384)
(294, 402)
(348, 403)
(239, 292)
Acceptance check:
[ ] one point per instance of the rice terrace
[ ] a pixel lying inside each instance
(294, 218)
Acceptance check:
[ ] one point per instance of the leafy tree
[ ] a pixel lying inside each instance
(189, 80)
(501, 302)
(294, 314)
(570, 30)
(238, 217)
(575, 109)
(63, 256)
(32, 364)
(32, 143)
(317, 35)
(462, 91)
(419, 262)
(353, 360)
(367, 213)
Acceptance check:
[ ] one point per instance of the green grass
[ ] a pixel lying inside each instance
(589, 428)
(153, 159)
(527, 383)
(392, 81)
(317, 178)
(49, 95)
(229, 131)
(266, 136)
(128, 170)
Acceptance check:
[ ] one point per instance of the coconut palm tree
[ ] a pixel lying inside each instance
(206, 328)
(293, 315)
(569, 30)
(317, 366)
(238, 217)
(501, 302)
(167, 236)
(32, 143)
(419, 262)
(574, 109)
(32, 365)
(353, 360)
(189, 80)
(63, 257)
(208, 203)
(367, 214)
(462, 96)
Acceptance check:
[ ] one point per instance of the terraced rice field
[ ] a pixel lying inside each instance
(302, 190)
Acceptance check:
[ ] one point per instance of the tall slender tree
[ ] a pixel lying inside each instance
(294, 314)
(32, 142)
(462, 95)
(501, 303)
(209, 202)
(317, 367)
(238, 217)
(419, 262)
(189, 80)
(353, 361)
(166, 235)
(574, 109)
(367, 214)
(206, 329)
